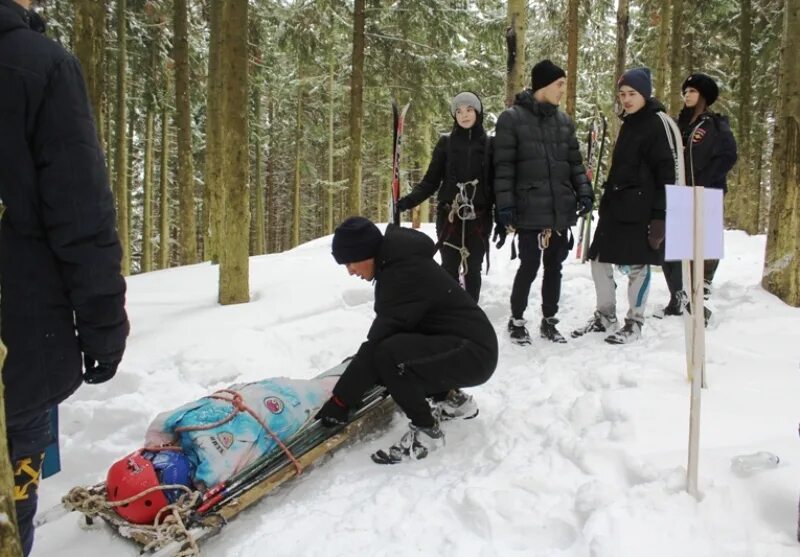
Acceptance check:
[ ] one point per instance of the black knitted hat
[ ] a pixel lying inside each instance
(356, 239)
(544, 73)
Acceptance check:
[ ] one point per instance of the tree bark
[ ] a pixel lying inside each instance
(147, 206)
(213, 198)
(163, 236)
(662, 68)
(331, 140)
(516, 19)
(298, 153)
(676, 58)
(9, 537)
(782, 260)
(271, 209)
(572, 55)
(187, 232)
(234, 263)
(89, 37)
(623, 29)
(260, 239)
(356, 107)
(748, 191)
(121, 161)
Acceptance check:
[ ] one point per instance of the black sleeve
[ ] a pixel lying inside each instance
(77, 212)
(437, 170)
(725, 153)
(580, 181)
(661, 162)
(505, 157)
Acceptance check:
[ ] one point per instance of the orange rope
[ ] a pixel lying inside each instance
(239, 405)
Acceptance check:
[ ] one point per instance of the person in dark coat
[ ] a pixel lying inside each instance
(630, 230)
(461, 159)
(541, 188)
(709, 154)
(63, 296)
(428, 337)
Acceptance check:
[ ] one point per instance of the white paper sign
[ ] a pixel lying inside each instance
(679, 242)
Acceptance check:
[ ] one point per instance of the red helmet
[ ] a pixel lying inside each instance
(130, 476)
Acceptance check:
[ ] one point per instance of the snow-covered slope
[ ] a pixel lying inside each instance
(579, 449)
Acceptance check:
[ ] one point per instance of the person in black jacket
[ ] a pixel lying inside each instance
(63, 296)
(630, 230)
(428, 337)
(540, 188)
(460, 170)
(709, 154)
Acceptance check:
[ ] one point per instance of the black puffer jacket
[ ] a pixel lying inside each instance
(634, 194)
(459, 157)
(710, 152)
(62, 291)
(538, 167)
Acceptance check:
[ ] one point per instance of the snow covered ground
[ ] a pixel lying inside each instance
(579, 449)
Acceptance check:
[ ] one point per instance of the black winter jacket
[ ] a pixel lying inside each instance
(710, 152)
(62, 291)
(461, 156)
(634, 194)
(413, 294)
(538, 167)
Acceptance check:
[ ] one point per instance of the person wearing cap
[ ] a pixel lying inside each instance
(428, 337)
(463, 213)
(630, 230)
(709, 154)
(541, 188)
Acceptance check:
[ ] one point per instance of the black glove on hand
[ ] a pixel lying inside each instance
(584, 205)
(333, 413)
(98, 372)
(403, 204)
(656, 233)
(499, 236)
(506, 217)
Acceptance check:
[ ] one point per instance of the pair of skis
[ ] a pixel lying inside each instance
(399, 118)
(595, 148)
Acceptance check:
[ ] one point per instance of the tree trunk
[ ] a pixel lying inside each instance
(9, 537)
(234, 284)
(187, 232)
(213, 197)
(271, 209)
(163, 236)
(331, 141)
(298, 153)
(748, 191)
(676, 58)
(572, 55)
(356, 107)
(623, 28)
(260, 239)
(147, 207)
(517, 19)
(89, 36)
(121, 161)
(662, 68)
(782, 260)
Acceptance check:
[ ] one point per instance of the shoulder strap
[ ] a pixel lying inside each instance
(675, 145)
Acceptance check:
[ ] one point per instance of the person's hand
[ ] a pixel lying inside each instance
(506, 217)
(499, 236)
(98, 372)
(656, 233)
(403, 204)
(333, 413)
(585, 205)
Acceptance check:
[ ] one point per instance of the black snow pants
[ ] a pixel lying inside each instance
(475, 238)
(531, 257)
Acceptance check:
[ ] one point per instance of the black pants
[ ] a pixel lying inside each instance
(413, 366)
(475, 237)
(674, 276)
(531, 256)
(27, 441)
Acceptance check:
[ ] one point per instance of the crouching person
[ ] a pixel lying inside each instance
(428, 337)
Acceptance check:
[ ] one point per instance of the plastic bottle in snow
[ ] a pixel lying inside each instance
(747, 464)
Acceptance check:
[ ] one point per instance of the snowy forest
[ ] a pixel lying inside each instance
(306, 101)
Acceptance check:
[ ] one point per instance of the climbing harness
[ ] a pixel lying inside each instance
(463, 208)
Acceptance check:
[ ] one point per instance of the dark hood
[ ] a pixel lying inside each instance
(526, 100)
(403, 243)
(13, 16)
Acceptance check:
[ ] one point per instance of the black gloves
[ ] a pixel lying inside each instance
(98, 372)
(499, 236)
(333, 413)
(584, 205)
(656, 233)
(403, 204)
(506, 217)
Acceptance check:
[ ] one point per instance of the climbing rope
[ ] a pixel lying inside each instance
(463, 208)
(544, 238)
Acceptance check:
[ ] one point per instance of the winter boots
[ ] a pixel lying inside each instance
(415, 444)
(548, 330)
(457, 405)
(629, 332)
(518, 332)
(599, 323)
